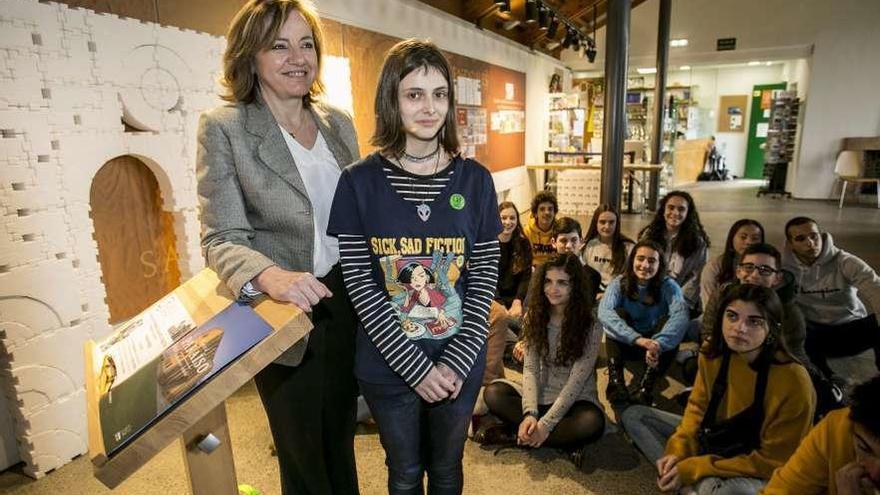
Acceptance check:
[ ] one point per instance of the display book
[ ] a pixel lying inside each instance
(155, 359)
(158, 374)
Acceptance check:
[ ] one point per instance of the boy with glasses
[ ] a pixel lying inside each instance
(830, 282)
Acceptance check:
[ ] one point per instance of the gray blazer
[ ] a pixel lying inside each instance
(254, 206)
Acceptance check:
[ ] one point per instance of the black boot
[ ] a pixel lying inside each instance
(645, 394)
(616, 392)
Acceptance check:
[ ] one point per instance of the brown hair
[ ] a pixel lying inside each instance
(401, 59)
(522, 248)
(618, 240)
(577, 321)
(254, 29)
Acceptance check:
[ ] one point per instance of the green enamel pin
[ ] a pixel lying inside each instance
(456, 201)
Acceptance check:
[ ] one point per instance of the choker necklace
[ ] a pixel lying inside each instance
(419, 159)
(423, 209)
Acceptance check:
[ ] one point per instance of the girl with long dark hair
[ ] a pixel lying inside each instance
(743, 233)
(606, 247)
(514, 271)
(645, 317)
(676, 226)
(558, 405)
(751, 405)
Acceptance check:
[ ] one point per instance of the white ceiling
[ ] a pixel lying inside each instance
(764, 29)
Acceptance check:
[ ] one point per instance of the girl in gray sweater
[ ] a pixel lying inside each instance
(557, 405)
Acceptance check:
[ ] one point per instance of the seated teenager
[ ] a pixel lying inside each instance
(645, 317)
(841, 455)
(831, 283)
(761, 264)
(558, 405)
(606, 247)
(539, 229)
(676, 227)
(514, 271)
(751, 405)
(722, 269)
(568, 239)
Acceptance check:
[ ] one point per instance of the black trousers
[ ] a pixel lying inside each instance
(312, 407)
(626, 352)
(848, 339)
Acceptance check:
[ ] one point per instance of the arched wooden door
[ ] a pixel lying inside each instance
(136, 245)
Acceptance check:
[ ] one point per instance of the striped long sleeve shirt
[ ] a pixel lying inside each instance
(422, 288)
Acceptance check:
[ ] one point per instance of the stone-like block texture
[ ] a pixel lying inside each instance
(69, 78)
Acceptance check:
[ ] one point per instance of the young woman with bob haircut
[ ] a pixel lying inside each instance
(267, 163)
(416, 200)
(751, 405)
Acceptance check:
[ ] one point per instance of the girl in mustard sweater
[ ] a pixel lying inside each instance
(751, 405)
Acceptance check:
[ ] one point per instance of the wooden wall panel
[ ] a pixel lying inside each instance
(136, 242)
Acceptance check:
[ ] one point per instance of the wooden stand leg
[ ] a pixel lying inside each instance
(210, 473)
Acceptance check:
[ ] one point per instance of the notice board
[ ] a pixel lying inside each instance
(732, 113)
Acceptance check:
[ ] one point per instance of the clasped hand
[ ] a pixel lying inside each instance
(440, 383)
(652, 351)
(300, 288)
(532, 432)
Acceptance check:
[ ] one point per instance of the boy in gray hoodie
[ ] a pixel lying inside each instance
(830, 282)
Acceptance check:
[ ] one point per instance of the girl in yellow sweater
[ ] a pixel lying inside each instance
(751, 405)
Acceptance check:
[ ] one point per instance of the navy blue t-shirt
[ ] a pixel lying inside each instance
(424, 269)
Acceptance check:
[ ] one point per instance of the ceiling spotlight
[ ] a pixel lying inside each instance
(531, 11)
(685, 67)
(568, 40)
(754, 63)
(647, 70)
(678, 43)
(554, 27)
(503, 6)
(591, 53)
(543, 17)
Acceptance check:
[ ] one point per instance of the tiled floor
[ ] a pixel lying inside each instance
(855, 229)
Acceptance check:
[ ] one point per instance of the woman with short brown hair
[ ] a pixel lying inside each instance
(267, 164)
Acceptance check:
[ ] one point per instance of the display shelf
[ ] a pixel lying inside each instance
(779, 147)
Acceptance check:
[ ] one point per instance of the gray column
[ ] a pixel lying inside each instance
(659, 98)
(616, 54)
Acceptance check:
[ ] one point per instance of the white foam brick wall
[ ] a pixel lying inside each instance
(67, 79)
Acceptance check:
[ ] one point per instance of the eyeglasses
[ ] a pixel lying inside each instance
(763, 270)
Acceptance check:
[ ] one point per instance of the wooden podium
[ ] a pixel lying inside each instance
(199, 420)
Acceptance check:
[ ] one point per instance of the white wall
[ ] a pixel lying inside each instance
(408, 18)
(844, 93)
(765, 30)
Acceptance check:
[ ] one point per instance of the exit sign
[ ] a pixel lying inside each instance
(725, 44)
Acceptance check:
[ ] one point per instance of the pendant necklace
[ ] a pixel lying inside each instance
(423, 209)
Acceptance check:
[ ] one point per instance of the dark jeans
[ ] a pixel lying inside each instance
(421, 437)
(312, 407)
(848, 339)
